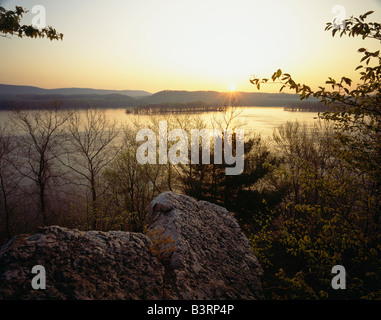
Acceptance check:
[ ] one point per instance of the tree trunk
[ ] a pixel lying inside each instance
(94, 202)
(43, 204)
(6, 209)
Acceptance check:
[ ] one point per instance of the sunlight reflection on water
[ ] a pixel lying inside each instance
(261, 120)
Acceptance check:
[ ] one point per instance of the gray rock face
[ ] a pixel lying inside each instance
(212, 259)
(80, 265)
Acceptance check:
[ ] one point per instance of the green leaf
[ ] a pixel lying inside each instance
(367, 14)
(347, 81)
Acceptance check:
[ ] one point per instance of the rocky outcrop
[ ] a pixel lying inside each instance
(80, 265)
(211, 259)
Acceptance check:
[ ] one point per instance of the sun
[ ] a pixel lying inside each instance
(232, 88)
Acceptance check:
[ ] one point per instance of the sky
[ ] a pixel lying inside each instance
(156, 45)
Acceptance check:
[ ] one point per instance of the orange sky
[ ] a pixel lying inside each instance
(156, 45)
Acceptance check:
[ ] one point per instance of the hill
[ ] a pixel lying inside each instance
(78, 101)
(28, 96)
(12, 90)
(221, 98)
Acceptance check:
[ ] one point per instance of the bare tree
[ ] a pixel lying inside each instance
(92, 143)
(229, 119)
(8, 179)
(39, 136)
(132, 186)
(301, 147)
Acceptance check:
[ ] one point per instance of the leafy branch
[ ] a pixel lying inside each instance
(10, 25)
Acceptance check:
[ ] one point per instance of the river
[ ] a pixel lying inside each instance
(261, 120)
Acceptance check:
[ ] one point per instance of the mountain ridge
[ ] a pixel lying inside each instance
(7, 89)
(35, 97)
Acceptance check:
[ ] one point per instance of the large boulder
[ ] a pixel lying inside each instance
(210, 259)
(80, 265)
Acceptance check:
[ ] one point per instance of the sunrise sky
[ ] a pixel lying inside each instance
(156, 45)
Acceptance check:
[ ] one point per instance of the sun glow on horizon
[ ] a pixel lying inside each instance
(190, 46)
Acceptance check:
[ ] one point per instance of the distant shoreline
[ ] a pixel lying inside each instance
(26, 97)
